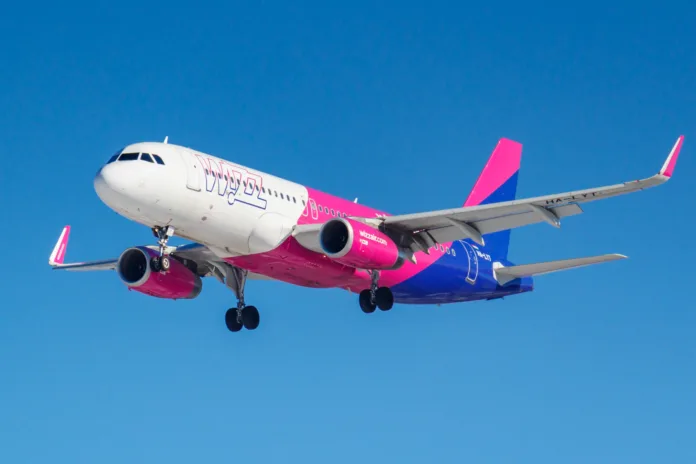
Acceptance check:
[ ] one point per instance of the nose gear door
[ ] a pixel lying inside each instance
(193, 170)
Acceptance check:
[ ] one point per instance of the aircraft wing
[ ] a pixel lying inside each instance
(208, 263)
(426, 229)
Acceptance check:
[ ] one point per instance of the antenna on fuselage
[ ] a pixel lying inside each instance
(166, 139)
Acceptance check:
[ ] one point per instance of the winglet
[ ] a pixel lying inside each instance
(58, 254)
(671, 161)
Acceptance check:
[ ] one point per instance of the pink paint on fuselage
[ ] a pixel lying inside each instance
(293, 263)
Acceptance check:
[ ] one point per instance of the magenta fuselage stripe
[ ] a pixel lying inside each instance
(290, 262)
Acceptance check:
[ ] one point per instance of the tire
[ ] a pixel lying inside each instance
(231, 320)
(365, 304)
(164, 261)
(156, 264)
(385, 298)
(250, 317)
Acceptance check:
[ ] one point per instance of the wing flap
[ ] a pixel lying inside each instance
(506, 274)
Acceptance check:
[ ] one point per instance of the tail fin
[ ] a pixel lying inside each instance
(498, 182)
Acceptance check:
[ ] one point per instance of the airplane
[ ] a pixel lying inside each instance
(245, 224)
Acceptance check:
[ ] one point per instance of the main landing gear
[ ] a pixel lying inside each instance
(243, 315)
(161, 263)
(376, 296)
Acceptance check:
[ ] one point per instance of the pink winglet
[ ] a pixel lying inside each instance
(58, 254)
(501, 166)
(668, 167)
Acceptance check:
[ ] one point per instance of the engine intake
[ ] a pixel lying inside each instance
(179, 282)
(358, 245)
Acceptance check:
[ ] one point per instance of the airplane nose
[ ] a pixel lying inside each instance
(109, 184)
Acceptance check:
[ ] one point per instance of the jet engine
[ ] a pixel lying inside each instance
(178, 282)
(358, 245)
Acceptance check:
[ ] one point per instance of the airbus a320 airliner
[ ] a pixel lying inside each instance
(246, 224)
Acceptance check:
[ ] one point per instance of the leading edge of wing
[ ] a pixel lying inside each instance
(477, 213)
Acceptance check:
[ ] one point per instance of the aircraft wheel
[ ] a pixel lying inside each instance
(164, 262)
(250, 317)
(385, 298)
(233, 325)
(366, 304)
(156, 264)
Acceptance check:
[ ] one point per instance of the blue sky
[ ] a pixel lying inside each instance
(399, 104)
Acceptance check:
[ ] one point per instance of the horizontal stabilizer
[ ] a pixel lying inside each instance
(506, 274)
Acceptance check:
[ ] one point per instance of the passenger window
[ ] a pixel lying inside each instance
(146, 157)
(333, 213)
(294, 200)
(158, 159)
(303, 203)
(128, 157)
(276, 193)
(263, 189)
(326, 209)
(281, 196)
(287, 197)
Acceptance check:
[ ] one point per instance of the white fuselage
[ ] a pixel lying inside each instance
(233, 209)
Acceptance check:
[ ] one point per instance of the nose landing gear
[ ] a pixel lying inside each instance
(376, 296)
(161, 263)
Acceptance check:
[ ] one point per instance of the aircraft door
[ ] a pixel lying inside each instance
(473, 262)
(193, 170)
(313, 208)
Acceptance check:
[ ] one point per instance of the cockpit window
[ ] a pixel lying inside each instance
(146, 157)
(158, 159)
(113, 158)
(128, 157)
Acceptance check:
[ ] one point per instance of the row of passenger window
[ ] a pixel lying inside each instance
(135, 156)
(332, 211)
(256, 187)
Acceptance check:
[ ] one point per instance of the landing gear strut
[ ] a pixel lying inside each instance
(161, 263)
(376, 296)
(243, 315)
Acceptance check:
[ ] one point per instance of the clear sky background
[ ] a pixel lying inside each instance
(400, 105)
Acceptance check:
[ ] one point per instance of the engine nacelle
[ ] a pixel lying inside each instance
(358, 245)
(179, 282)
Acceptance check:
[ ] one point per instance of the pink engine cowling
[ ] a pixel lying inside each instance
(358, 245)
(179, 282)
